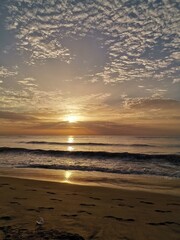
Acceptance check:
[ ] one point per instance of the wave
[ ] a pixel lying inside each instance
(102, 169)
(88, 144)
(171, 158)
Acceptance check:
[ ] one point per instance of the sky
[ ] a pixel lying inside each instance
(89, 67)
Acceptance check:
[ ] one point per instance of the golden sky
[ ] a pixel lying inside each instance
(89, 67)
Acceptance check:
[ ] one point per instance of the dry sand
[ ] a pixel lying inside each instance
(90, 211)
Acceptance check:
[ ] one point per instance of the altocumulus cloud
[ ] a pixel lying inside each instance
(5, 73)
(141, 37)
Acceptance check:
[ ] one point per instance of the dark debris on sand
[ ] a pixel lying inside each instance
(39, 234)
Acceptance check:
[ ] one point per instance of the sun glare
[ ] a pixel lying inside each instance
(71, 118)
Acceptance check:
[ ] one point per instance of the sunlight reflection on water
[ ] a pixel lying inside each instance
(68, 175)
(70, 139)
(70, 148)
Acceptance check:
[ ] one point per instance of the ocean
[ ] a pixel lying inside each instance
(158, 156)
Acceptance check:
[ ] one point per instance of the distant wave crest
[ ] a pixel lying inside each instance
(88, 144)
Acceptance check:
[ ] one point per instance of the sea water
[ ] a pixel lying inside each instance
(159, 156)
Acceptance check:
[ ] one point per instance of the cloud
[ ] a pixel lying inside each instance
(28, 83)
(50, 104)
(176, 80)
(176, 55)
(151, 103)
(157, 93)
(5, 73)
(140, 39)
(96, 127)
(12, 116)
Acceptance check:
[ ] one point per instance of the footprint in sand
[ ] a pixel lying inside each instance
(52, 193)
(31, 190)
(20, 198)
(45, 208)
(17, 203)
(162, 211)
(163, 223)
(87, 205)
(124, 205)
(80, 211)
(120, 219)
(6, 218)
(94, 198)
(173, 204)
(121, 205)
(145, 202)
(125, 238)
(69, 215)
(71, 194)
(117, 199)
(32, 210)
(55, 199)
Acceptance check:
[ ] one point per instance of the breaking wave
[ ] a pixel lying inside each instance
(134, 157)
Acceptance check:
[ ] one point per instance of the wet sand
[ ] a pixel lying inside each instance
(92, 212)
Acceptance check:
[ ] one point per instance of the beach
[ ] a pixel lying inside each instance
(89, 210)
(89, 120)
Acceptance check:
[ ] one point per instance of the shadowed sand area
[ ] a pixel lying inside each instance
(90, 212)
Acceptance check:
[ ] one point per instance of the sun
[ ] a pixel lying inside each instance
(71, 118)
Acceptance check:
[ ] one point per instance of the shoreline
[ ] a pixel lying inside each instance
(155, 184)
